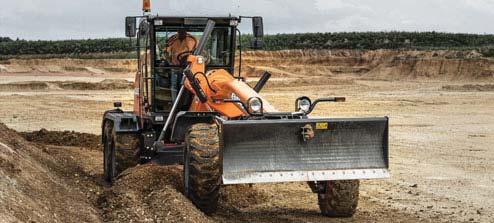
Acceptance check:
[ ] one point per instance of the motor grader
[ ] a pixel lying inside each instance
(202, 114)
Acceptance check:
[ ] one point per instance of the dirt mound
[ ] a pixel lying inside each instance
(258, 71)
(3, 69)
(300, 82)
(91, 66)
(94, 70)
(153, 191)
(107, 84)
(469, 87)
(23, 86)
(65, 138)
(241, 196)
(149, 193)
(30, 191)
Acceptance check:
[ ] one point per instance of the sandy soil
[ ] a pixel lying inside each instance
(442, 158)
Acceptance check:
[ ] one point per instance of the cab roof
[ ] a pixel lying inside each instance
(190, 20)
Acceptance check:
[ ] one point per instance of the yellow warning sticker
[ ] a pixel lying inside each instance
(322, 125)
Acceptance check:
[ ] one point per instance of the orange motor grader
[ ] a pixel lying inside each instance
(198, 113)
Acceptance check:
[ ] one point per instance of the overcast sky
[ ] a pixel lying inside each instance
(80, 19)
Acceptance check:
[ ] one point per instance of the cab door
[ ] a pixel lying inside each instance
(143, 80)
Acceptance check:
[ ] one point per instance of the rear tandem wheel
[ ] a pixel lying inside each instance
(339, 198)
(116, 161)
(109, 164)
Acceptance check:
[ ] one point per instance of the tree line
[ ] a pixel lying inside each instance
(377, 40)
(89, 46)
(5, 39)
(347, 40)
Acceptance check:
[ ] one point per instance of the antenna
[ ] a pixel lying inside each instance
(235, 8)
(238, 8)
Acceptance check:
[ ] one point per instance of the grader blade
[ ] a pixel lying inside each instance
(264, 151)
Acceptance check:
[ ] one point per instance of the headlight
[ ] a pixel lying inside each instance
(255, 105)
(304, 104)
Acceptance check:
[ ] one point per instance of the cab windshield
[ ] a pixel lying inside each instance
(174, 43)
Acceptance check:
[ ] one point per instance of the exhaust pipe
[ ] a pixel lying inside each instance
(264, 79)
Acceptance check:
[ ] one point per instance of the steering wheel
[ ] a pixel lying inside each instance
(181, 57)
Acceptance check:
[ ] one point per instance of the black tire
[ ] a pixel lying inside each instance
(202, 175)
(115, 162)
(109, 164)
(340, 198)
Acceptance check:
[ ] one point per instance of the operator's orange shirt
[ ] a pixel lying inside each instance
(177, 46)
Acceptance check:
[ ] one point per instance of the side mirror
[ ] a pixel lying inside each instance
(130, 26)
(257, 27)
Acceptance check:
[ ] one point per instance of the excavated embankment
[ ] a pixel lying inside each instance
(378, 64)
(31, 189)
(375, 64)
(107, 84)
(57, 177)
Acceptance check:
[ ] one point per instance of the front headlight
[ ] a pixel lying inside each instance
(304, 105)
(255, 105)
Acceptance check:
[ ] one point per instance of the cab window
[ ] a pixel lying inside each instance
(172, 45)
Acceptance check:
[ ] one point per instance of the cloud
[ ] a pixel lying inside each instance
(76, 19)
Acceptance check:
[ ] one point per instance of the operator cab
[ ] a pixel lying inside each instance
(163, 46)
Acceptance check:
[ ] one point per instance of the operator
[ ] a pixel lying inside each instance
(178, 45)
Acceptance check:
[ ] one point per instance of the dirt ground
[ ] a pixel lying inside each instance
(441, 152)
